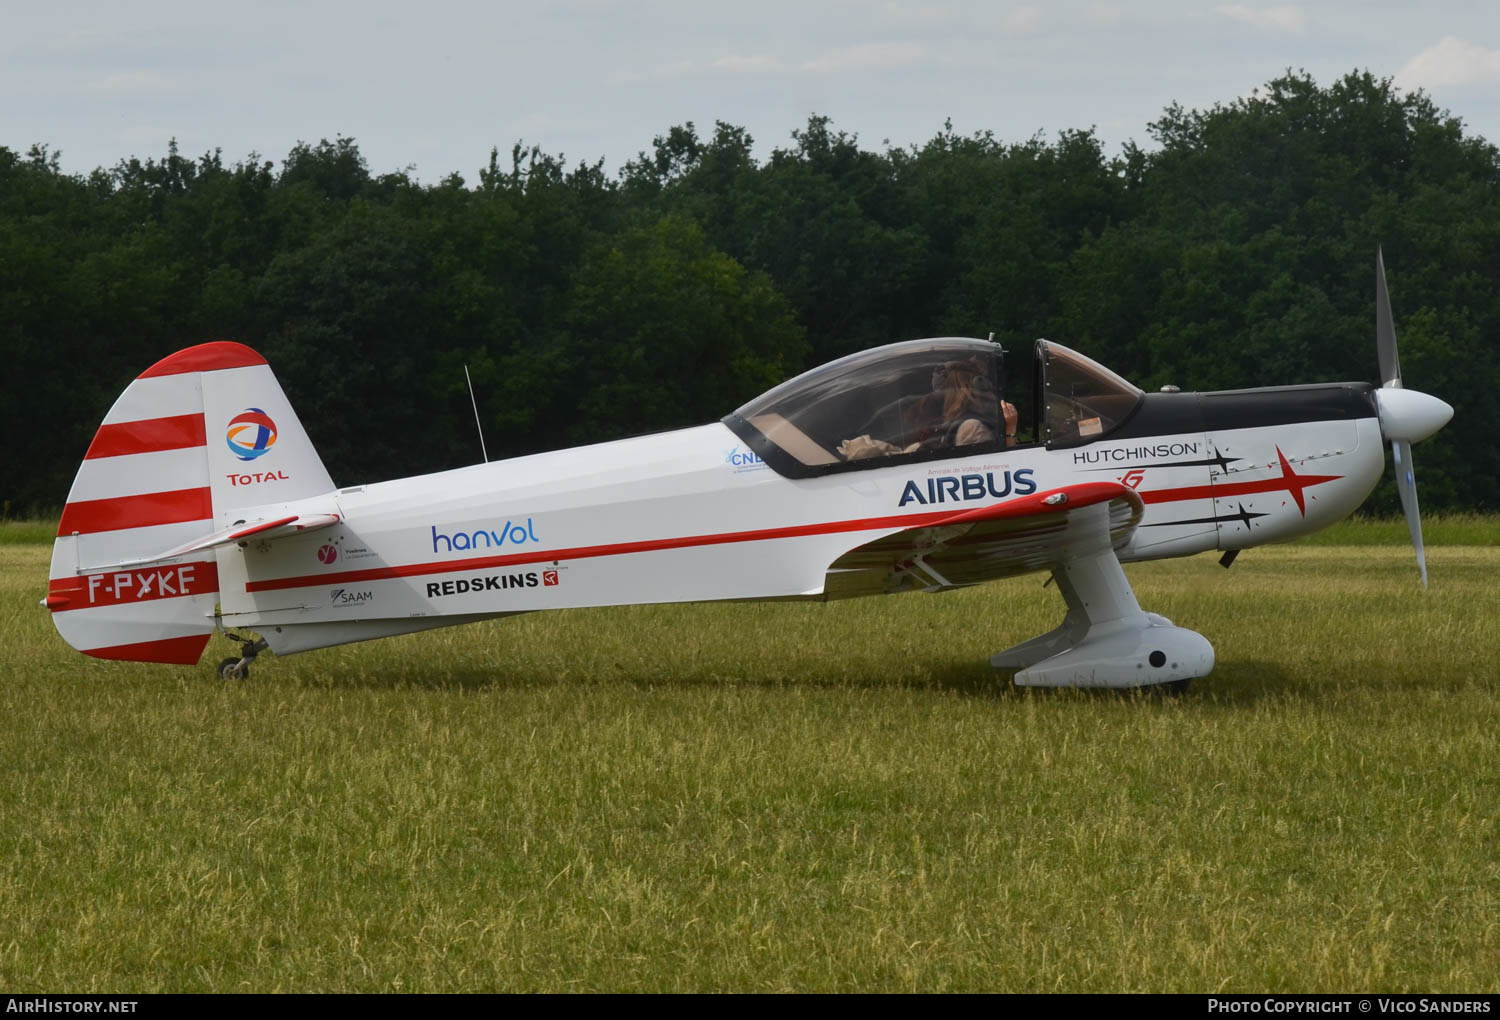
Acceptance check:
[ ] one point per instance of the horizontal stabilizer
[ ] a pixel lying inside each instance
(238, 532)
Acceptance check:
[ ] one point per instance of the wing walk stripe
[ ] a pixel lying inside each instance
(1077, 496)
(147, 510)
(150, 435)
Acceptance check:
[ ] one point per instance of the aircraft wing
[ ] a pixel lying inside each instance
(1029, 533)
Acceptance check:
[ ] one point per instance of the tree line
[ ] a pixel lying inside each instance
(1236, 250)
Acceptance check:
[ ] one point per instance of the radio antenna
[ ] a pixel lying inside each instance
(475, 404)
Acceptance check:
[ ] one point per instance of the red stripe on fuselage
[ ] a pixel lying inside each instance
(150, 435)
(1077, 496)
(90, 515)
(1289, 482)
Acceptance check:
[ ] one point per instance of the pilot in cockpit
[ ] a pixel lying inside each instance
(959, 410)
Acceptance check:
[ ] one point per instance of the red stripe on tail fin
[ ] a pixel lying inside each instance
(90, 515)
(133, 586)
(151, 435)
(178, 651)
(205, 358)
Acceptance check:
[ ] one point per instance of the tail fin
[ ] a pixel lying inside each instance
(194, 438)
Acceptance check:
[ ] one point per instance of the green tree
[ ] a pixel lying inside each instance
(665, 331)
(1247, 259)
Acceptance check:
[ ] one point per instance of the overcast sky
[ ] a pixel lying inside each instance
(436, 84)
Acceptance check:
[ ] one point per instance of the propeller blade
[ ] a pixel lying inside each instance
(1385, 328)
(1406, 484)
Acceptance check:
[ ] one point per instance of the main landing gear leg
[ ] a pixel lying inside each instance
(238, 667)
(1106, 640)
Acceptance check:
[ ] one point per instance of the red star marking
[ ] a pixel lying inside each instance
(1289, 481)
(1295, 483)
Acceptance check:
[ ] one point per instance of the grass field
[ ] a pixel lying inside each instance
(778, 797)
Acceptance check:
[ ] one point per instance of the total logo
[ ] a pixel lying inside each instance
(250, 434)
(257, 477)
(957, 488)
(348, 597)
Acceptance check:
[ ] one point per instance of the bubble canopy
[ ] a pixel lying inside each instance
(904, 401)
(923, 400)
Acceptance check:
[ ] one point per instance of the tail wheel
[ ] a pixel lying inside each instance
(231, 669)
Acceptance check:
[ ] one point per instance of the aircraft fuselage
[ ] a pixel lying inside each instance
(697, 515)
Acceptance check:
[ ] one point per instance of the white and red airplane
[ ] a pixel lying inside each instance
(201, 506)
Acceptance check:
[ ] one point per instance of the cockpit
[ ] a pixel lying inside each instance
(928, 399)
